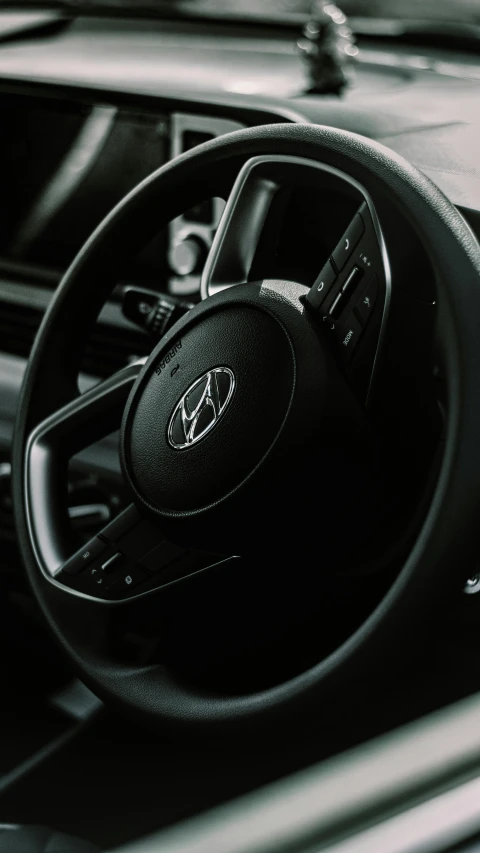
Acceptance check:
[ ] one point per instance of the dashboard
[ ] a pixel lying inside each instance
(91, 109)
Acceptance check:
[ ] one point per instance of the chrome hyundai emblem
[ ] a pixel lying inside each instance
(201, 407)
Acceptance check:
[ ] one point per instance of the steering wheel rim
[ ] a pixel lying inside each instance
(448, 528)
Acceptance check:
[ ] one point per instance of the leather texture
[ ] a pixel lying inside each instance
(288, 385)
(183, 482)
(39, 839)
(448, 534)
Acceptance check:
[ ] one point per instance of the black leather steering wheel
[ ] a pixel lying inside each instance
(251, 394)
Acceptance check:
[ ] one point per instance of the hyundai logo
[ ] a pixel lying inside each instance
(201, 407)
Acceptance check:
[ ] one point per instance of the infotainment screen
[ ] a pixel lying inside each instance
(35, 136)
(74, 163)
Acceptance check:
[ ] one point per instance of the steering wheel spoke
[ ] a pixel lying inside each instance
(79, 423)
(128, 557)
(349, 296)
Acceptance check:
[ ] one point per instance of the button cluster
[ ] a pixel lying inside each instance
(114, 577)
(324, 284)
(346, 291)
(126, 554)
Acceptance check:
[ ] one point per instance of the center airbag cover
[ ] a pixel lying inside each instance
(255, 349)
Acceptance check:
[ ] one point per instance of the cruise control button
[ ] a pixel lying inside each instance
(112, 564)
(348, 242)
(365, 305)
(348, 334)
(82, 558)
(322, 286)
(125, 582)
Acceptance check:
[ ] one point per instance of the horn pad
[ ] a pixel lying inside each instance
(208, 408)
(240, 424)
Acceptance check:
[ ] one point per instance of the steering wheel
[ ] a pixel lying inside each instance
(249, 439)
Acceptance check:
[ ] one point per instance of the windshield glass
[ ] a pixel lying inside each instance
(467, 11)
(439, 11)
(453, 9)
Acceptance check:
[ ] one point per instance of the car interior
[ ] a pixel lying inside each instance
(239, 426)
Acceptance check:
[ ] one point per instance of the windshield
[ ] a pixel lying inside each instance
(455, 10)
(441, 12)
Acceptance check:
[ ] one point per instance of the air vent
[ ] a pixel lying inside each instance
(109, 349)
(7, 526)
(18, 327)
(112, 347)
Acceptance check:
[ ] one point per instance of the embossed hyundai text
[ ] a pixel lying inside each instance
(201, 407)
